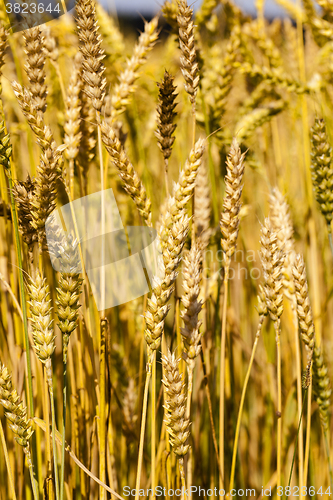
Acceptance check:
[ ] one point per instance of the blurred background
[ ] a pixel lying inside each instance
(148, 7)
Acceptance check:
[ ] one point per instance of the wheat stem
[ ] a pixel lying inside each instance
(329, 227)
(102, 408)
(182, 477)
(56, 475)
(143, 427)
(279, 402)
(308, 434)
(222, 374)
(64, 413)
(241, 405)
(299, 404)
(33, 481)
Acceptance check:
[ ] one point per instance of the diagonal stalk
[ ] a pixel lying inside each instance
(9, 469)
(241, 405)
(143, 427)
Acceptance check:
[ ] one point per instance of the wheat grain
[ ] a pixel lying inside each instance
(188, 59)
(34, 48)
(93, 54)
(322, 171)
(231, 204)
(177, 424)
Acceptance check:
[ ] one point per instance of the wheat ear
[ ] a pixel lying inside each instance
(173, 230)
(129, 176)
(188, 59)
(165, 121)
(321, 386)
(229, 228)
(43, 336)
(322, 172)
(68, 295)
(282, 226)
(272, 259)
(24, 192)
(19, 423)
(35, 51)
(92, 52)
(72, 122)
(202, 210)
(176, 419)
(49, 169)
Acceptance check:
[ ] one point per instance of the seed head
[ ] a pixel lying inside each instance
(231, 204)
(188, 59)
(321, 386)
(177, 424)
(304, 311)
(192, 307)
(272, 260)
(166, 115)
(322, 170)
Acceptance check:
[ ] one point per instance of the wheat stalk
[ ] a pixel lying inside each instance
(272, 259)
(16, 414)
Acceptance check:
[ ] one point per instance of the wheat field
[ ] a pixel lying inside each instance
(213, 130)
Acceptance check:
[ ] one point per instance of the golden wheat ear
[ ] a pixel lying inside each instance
(15, 412)
(166, 115)
(272, 262)
(92, 52)
(321, 386)
(192, 306)
(304, 312)
(177, 424)
(231, 204)
(188, 59)
(322, 169)
(35, 51)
